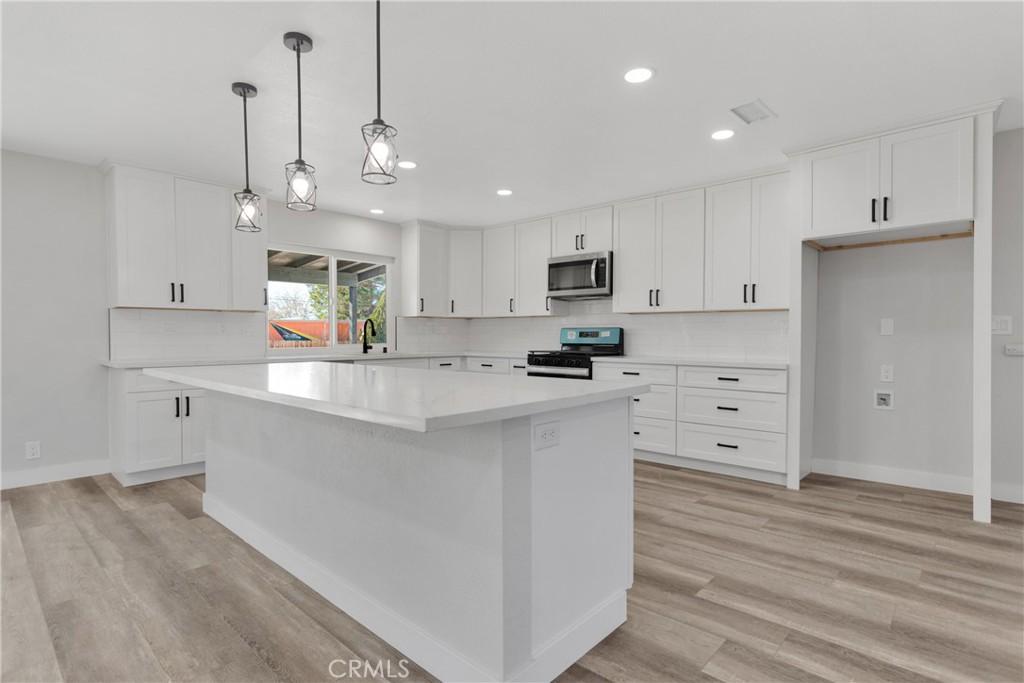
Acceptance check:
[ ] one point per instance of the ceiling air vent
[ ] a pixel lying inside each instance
(752, 112)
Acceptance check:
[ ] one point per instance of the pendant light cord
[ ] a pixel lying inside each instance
(378, 60)
(298, 78)
(245, 136)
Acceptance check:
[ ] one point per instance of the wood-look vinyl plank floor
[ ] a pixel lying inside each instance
(844, 580)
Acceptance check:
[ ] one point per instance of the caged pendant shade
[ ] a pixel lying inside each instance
(379, 139)
(300, 193)
(248, 205)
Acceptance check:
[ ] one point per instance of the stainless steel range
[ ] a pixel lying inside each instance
(575, 359)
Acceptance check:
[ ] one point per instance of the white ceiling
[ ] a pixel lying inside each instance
(528, 96)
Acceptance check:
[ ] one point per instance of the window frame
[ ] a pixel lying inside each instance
(333, 255)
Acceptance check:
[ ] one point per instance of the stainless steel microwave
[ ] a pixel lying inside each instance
(580, 276)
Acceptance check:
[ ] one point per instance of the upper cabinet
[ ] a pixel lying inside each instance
(582, 231)
(499, 271)
(425, 280)
(915, 177)
(173, 245)
(533, 249)
(634, 273)
(747, 228)
(465, 273)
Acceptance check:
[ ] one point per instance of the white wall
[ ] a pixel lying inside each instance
(54, 318)
(1008, 299)
(926, 288)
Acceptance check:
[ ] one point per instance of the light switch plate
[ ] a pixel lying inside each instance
(1002, 324)
(886, 327)
(32, 450)
(886, 375)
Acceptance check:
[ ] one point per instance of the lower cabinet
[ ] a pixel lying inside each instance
(450, 364)
(164, 429)
(658, 436)
(741, 447)
(494, 366)
(416, 363)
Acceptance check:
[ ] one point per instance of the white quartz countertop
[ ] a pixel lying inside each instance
(307, 357)
(697, 360)
(408, 398)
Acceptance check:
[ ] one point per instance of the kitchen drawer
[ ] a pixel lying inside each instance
(450, 364)
(496, 366)
(654, 435)
(660, 403)
(744, 379)
(519, 366)
(746, 409)
(730, 446)
(140, 382)
(655, 374)
(417, 363)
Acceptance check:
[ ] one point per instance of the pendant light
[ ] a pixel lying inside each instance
(301, 192)
(248, 209)
(379, 138)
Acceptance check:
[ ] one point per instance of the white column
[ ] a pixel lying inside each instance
(981, 417)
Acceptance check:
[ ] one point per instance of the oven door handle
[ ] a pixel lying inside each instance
(593, 273)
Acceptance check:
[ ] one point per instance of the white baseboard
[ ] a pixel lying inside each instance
(778, 478)
(149, 476)
(949, 483)
(44, 475)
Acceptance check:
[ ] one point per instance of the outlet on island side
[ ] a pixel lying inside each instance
(32, 450)
(546, 435)
(884, 399)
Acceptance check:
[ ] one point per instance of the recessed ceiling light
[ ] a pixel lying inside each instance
(504, 193)
(377, 211)
(723, 134)
(641, 74)
(407, 164)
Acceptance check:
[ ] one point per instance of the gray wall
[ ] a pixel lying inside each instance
(54, 317)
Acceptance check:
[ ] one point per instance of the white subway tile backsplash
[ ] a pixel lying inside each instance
(151, 334)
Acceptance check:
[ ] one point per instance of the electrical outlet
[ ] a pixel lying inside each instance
(884, 399)
(886, 327)
(1002, 324)
(32, 450)
(546, 435)
(886, 374)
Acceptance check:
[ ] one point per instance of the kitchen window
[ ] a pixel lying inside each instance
(320, 300)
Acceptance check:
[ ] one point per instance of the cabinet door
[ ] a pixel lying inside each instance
(636, 253)
(465, 275)
(249, 270)
(770, 232)
(681, 262)
(154, 430)
(596, 226)
(433, 271)
(194, 418)
(727, 247)
(840, 184)
(927, 175)
(533, 249)
(499, 271)
(142, 207)
(202, 216)
(566, 231)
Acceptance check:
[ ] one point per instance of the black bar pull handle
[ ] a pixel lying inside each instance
(181, 290)
(583, 242)
(874, 207)
(487, 365)
(177, 406)
(445, 365)
(172, 292)
(627, 372)
(519, 367)
(547, 303)
(885, 208)
(650, 297)
(744, 293)
(728, 379)
(453, 305)
(636, 433)
(727, 445)
(657, 297)
(753, 293)
(421, 304)
(577, 242)
(636, 400)
(510, 309)
(727, 408)
(188, 406)
(265, 302)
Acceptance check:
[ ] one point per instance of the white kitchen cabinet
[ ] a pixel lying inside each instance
(452, 364)
(657, 436)
(634, 257)
(927, 175)
(493, 366)
(249, 269)
(164, 429)
(915, 177)
(414, 363)
(499, 271)
(841, 189)
(533, 249)
(746, 233)
(425, 273)
(203, 227)
(680, 258)
(465, 274)
(519, 367)
(582, 231)
(142, 237)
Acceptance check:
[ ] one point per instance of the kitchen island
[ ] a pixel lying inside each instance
(480, 524)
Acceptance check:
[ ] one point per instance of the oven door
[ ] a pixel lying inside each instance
(565, 373)
(580, 276)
